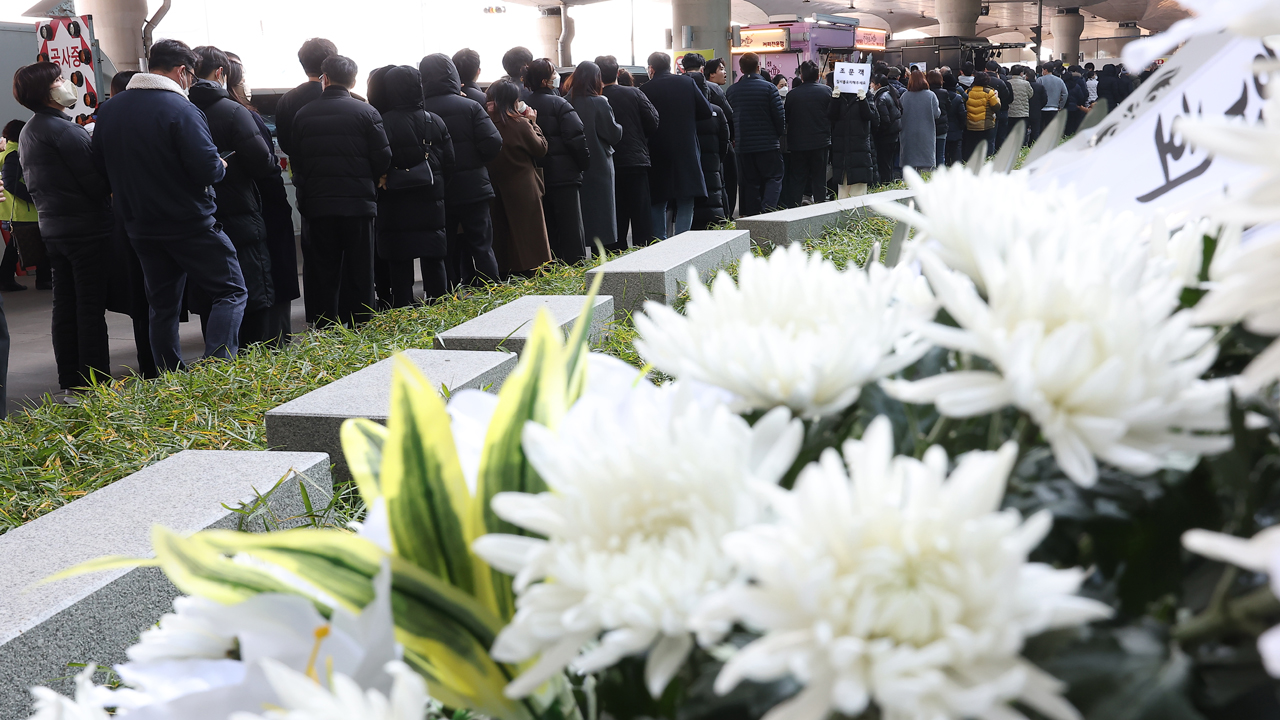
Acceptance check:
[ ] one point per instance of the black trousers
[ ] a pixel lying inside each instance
(209, 259)
(806, 169)
(886, 156)
(730, 182)
(974, 138)
(342, 255)
(1002, 128)
(80, 308)
(759, 181)
(954, 148)
(563, 210)
(1074, 118)
(631, 204)
(1046, 117)
(469, 234)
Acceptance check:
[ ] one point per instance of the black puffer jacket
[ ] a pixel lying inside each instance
(942, 124)
(567, 154)
(852, 123)
(639, 120)
(808, 123)
(71, 197)
(411, 221)
(239, 205)
(476, 141)
(1111, 88)
(758, 119)
(890, 115)
(474, 92)
(340, 151)
(713, 145)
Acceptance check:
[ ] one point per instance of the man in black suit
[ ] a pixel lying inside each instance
(675, 172)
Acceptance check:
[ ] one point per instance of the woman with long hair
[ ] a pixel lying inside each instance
(603, 133)
(519, 231)
(920, 113)
(277, 215)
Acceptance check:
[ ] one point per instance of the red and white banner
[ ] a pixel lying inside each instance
(67, 42)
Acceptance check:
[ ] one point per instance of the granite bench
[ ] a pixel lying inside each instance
(95, 617)
(659, 271)
(784, 227)
(313, 422)
(508, 327)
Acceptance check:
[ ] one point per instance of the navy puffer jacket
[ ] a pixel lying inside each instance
(758, 119)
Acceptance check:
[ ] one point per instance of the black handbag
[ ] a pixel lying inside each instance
(419, 175)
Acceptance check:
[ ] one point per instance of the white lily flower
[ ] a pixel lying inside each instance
(87, 704)
(884, 580)
(1247, 18)
(302, 698)
(1261, 553)
(632, 527)
(1081, 324)
(793, 332)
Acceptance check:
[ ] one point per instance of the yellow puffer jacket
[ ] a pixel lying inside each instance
(11, 207)
(981, 108)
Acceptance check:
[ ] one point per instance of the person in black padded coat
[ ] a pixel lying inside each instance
(340, 153)
(567, 157)
(853, 119)
(639, 120)
(239, 206)
(713, 146)
(411, 214)
(467, 61)
(467, 189)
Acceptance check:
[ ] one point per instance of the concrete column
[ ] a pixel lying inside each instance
(1115, 48)
(710, 22)
(959, 17)
(1066, 28)
(567, 32)
(550, 26)
(118, 26)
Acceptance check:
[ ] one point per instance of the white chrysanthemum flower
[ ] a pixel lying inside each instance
(87, 704)
(1082, 330)
(643, 486)
(1244, 290)
(1261, 553)
(892, 583)
(1247, 18)
(1249, 143)
(301, 698)
(793, 332)
(965, 234)
(1183, 251)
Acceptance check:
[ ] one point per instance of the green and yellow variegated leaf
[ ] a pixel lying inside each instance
(428, 502)
(102, 564)
(362, 443)
(577, 348)
(197, 568)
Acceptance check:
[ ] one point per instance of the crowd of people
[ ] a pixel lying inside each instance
(173, 201)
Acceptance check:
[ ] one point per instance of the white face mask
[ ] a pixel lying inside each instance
(63, 95)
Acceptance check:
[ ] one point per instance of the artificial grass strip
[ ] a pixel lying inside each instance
(52, 454)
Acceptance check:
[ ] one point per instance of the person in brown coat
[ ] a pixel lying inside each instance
(519, 228)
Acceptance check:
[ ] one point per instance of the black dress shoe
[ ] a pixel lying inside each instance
(12, 286)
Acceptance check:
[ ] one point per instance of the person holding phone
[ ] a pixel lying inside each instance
(162, 162)
(238, 204)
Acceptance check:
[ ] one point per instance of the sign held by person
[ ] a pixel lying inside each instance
(853, 77)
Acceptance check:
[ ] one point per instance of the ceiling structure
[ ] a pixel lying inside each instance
(1005, 21)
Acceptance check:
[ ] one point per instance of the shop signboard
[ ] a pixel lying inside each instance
(764, 40)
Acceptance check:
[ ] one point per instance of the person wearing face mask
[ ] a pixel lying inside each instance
(239, 206)
(73, 202)
(156, 150)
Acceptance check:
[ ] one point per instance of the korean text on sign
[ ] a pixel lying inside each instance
(853, 77)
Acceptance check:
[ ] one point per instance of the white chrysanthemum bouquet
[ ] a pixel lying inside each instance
(953, 488)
